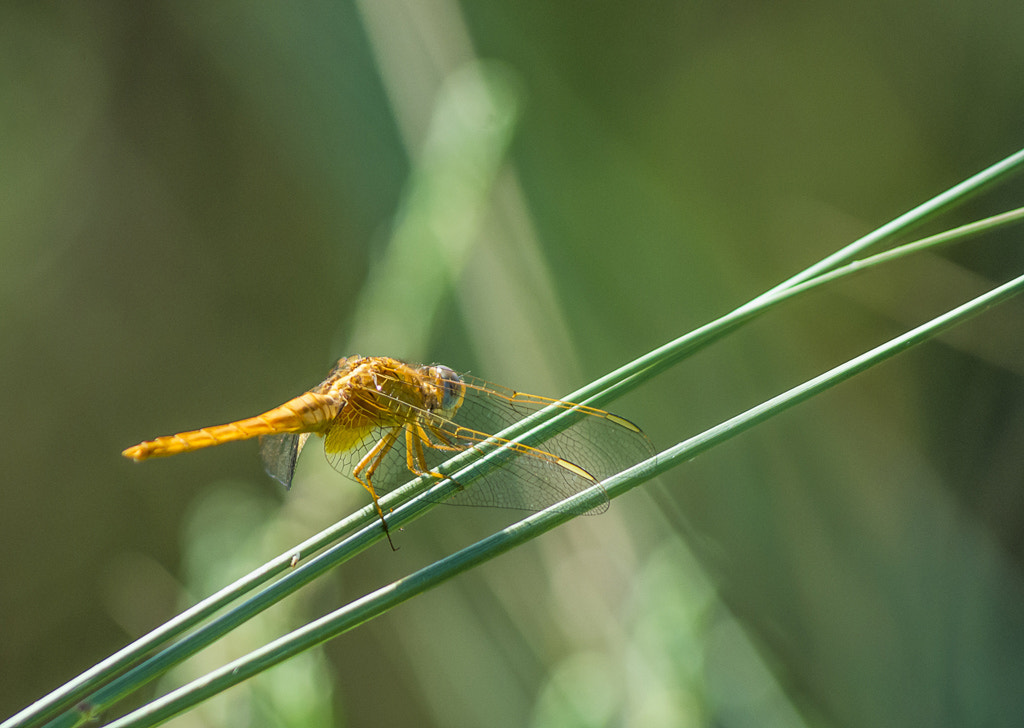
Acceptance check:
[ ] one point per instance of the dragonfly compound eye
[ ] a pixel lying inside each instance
(453, 389)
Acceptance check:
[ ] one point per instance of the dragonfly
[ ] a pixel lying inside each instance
(384, 421)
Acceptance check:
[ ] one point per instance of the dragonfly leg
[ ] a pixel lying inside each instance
(369, 464)
(415, 438)
(445, 443)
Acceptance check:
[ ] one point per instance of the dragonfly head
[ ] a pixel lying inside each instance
(452, 389)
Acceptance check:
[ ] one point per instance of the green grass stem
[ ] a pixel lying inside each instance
(115, 677)
(385, 598)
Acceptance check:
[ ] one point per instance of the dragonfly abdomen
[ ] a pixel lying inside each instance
(309, 412)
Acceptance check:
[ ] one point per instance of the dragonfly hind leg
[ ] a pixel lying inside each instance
(370, 463)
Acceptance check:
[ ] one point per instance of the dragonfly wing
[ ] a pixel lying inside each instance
(280, 452)
(528, 478)
(597, 446)
(529, 481)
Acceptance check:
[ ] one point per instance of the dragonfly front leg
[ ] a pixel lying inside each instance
(415, 438)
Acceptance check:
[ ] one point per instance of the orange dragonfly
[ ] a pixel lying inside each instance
(384, 421)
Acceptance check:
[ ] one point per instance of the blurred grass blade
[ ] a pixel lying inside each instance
(382, 600)
(446, 199)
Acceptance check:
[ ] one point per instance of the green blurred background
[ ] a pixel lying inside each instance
(204, 205)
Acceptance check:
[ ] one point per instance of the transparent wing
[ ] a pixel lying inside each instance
(598, 445)
(279, 453)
